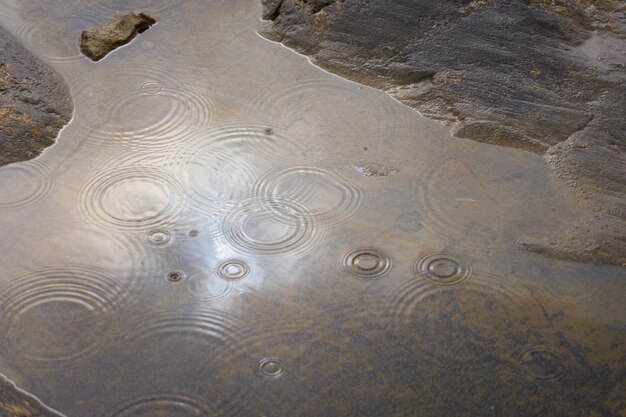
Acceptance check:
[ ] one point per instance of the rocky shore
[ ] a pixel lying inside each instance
(546, 76)
(35, 102)
(16, 403)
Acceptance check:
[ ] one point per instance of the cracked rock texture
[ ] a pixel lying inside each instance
(16, 403)
(546, 76)
(98, 41)
(35, 102)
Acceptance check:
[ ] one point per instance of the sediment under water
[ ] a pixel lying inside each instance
(226, 230)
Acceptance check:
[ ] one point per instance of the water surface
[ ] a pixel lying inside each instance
(226, 230)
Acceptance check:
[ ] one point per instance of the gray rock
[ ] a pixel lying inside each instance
(35, 102)
(98, 41)
(593, 162)
(16, 403)
(540, 75)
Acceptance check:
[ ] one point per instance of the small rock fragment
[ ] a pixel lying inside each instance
(98, 41)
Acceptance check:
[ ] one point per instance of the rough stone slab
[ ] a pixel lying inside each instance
(35, 102)
(542, 75)
(593, 163)
(97, 42)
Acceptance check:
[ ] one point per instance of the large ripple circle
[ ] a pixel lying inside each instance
(327, 196)
(24, 184)
(272, 226)
(170, 405)
(132, 198)
(220, 166)
(51, 318)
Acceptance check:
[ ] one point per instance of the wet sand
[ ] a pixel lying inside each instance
(203, 241)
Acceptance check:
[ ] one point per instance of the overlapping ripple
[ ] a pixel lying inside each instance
(25, 184)
(56, 316)
(56, 39)
(62, 243)
(206, 286)
(202, 348)
(305, 353)
(308, 100)
(221, 165)
(462, 324)
(139, 198)
(65, 30)
(205, 326)
(171, 405)
(328, 196)
(269, 227)
(175, 111)
(541, 362)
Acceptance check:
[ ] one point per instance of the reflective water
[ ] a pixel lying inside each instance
(226, 230)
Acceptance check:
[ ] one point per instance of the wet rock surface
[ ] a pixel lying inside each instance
(16, 403)
(98, 41)
(593, 163)
(34, 102)
(544, 76)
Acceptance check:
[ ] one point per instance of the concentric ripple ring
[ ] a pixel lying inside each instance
(233, 269)
(443, 269)
(220, 165)
(68, 307)
(132, 198)
(367, 263)
(271, 226)
(173, 405)
(541, 362)
(24, 184)
(328, 196)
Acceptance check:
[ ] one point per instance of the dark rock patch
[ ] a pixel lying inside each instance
(547, 76)
(16, 403)
(35, 102)
(98, 41)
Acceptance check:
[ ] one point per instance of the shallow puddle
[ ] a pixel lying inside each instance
(226, 230)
